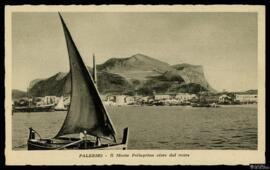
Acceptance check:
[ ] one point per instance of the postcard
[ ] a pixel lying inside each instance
(135, 84)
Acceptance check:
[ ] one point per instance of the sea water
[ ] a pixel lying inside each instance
(159, 127)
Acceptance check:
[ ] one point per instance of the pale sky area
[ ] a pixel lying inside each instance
(225, 44)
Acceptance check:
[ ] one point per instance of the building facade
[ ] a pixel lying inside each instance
(246, 98)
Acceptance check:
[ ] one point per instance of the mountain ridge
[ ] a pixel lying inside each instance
(138, 73)
(17, 94)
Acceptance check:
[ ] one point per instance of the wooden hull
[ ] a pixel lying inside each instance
(39, 146)
(73, 143)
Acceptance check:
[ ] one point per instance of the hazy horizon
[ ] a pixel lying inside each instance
(225, 44)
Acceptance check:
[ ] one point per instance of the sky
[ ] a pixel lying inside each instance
(225, 44)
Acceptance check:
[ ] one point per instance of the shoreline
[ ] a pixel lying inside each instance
(240, 105)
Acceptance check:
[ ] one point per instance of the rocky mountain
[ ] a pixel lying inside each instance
(57, 85)
(251, 91)
(192, 74)
(137, 67)
(17, 94)
(136, 74)
(134, 63)
(107, 83)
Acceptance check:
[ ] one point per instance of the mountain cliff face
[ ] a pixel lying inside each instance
(138, 73)
(192, 74)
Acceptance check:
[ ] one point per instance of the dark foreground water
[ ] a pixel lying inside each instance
(160, 127)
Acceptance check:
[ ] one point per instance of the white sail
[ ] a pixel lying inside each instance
(60, 105)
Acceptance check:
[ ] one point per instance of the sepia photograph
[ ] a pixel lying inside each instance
(155, 79)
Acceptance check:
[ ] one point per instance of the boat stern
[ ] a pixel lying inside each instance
(125, 138)
(32, 134)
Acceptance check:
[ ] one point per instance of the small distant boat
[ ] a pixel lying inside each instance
(200, 105)
(205, 105)
(60, 105)
(87, 124)
(41, 108)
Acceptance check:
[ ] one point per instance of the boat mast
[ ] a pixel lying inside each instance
(94, 70)
(28, 98)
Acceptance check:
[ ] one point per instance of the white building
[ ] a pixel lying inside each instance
(111, 98)
(145, 98)
(130, 99)
(50, 99)
(224, 98)
(246, 98)
(162, 97)
(185, 96)
(117, 99)
(120, 100)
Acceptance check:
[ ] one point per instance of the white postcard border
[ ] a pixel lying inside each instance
(183, 157)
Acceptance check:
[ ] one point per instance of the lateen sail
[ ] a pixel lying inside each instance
(86, 110)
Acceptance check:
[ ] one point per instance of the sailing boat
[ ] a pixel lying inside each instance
(60, 105)
(87, 124)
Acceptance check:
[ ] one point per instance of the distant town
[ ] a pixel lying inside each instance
(138, 80)
(204, 99)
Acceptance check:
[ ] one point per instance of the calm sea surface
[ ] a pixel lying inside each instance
(164, 127)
